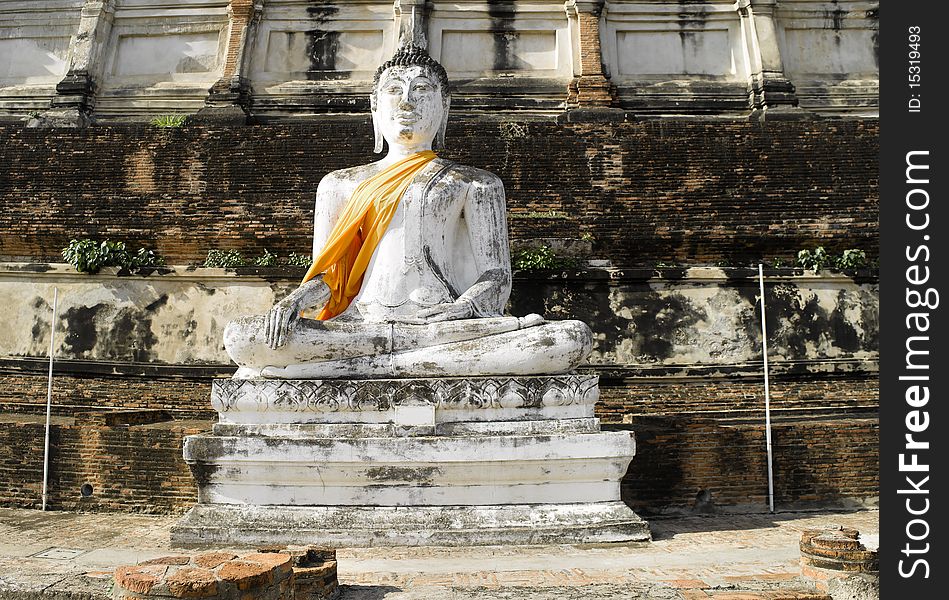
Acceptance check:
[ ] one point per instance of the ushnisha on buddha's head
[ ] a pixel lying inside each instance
(410, 100)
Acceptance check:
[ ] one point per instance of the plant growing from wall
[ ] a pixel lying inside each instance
(541, 214)
(224, 259)
(89, 256)
(299, 260)
(541, 258)
(819, 259)
(852, 259)
(814, 260)
(169, 121)
(267, 259)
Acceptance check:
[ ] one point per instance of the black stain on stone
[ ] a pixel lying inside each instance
(657, 318)
(691, 16)
(40, 328)
(161, 301)
(322, 45)
(203, 472)
(210, 291)
(501, 14)
(845, 335)
(836, 16)
(794, 325)
(321, 49)
(874, 15)
(30, 267)
(81, 335)
(129, 337)
(750, 319)
(123, 335)
(191, 326)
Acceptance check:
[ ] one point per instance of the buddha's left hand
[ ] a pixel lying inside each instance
(449, 311)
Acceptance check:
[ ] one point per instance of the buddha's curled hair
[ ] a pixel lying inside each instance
(413, 55)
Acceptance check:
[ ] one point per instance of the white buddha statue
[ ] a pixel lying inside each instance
(412, 266)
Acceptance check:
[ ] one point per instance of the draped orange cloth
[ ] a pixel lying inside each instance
(353, 240)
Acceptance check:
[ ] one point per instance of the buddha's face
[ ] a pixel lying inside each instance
(409, 106)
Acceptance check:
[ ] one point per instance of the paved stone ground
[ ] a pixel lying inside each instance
(726, 557)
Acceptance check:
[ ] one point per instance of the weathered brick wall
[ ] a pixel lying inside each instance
(692, 436)
(687, 462)
(78, 393)
(735, 397)
(685, 191)
(130, 468)
(139, 468)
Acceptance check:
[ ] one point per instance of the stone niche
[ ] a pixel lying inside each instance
(162, 56)
(668, 56)
(830, 52)
(447, 461)
(315, 57)
(503, 53)
(34, 46)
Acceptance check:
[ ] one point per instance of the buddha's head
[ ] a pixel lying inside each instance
(410, 99)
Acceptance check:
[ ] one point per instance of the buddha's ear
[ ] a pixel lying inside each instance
(440, 136)
(376, 130)
(377, 135)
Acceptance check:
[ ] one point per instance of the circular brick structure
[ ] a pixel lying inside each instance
(285, 574)
(836, 560)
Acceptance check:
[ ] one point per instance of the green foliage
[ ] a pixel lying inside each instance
(267, 259)
(541, 258)
(587, 237)
(299, 260)
(852, 259)
(169, 121)
(89, 256)
(541, 214)
(224, 259)
(778, 262)
(818, 259)
(814, 260)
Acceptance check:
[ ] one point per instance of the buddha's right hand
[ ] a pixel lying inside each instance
(285, 313)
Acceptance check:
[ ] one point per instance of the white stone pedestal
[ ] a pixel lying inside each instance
(486, 460)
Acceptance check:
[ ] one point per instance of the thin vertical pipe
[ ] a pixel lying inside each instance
(49, 395)
(767, 390)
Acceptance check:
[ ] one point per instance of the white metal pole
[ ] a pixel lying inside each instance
(49, 394)
(767, 390)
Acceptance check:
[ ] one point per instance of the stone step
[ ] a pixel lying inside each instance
(362, 526)
(424, 471)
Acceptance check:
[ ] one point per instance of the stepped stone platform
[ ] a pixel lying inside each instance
(447, 461)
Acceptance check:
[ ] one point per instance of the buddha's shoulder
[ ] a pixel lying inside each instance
(468, 175)
(351, 174)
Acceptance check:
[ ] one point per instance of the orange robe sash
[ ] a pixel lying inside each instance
(364, 220)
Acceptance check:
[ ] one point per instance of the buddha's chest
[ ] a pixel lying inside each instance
(400, 273)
